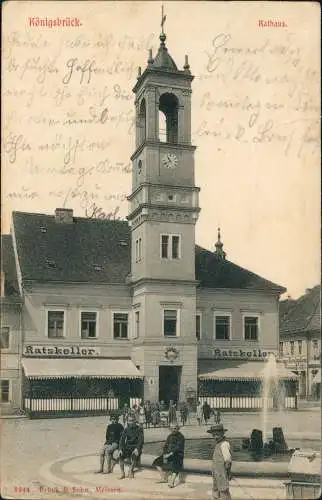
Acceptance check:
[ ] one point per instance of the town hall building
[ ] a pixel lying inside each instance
(114, 311)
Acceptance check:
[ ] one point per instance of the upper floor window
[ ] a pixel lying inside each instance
(138, 250)
(170, 323)
(299, 343)
(222, 326)
(168, 118)
(5, 337)
(170, 246)
(137, 324)
(198, 326)
(292, 347)
(88, 325)
(5, 391)
(251, 327)
(55, 324)
(281, 349)
(2, 283)
(315, 345)
(120, 325)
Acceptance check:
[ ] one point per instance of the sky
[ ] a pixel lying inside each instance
(69, 115)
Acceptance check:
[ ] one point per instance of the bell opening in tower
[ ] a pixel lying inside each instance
(168, 118)
(142, 121)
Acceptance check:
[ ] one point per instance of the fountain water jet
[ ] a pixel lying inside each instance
(273, 392)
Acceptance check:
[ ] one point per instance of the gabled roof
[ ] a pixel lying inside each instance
(214, 272)
(303, 314)
(99, 251)
(8, 267)
(87, 250)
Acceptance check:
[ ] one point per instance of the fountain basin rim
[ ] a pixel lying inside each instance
(239, 469)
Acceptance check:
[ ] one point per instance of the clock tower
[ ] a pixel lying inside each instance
(163, 212)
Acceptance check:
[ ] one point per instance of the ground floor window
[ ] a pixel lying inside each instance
(5, 391)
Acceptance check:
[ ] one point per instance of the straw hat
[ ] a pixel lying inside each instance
(217, 428)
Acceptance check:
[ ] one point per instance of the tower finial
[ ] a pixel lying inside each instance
(163, 19)
(219, 252)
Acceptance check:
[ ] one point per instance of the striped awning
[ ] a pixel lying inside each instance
(238, 370)
(42, 368)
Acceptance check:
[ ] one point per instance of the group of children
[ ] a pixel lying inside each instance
(156, 414)
(125, 444)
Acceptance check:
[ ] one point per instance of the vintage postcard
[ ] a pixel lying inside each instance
(160, 264)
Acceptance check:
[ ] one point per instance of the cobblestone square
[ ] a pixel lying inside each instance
(57, 458)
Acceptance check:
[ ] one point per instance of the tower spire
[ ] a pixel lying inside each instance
(219, 252)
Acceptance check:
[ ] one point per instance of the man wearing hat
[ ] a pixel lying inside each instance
(170, 463)
(221, 463)
(131, 444)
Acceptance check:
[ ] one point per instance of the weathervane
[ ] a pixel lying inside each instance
(163, 18)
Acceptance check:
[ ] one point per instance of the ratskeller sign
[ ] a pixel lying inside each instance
(240, 353)
(58, 351)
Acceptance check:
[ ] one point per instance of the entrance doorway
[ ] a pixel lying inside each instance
(169, 383)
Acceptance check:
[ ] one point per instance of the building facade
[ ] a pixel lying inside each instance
(11, 332)
(300, 340)
(120, 310)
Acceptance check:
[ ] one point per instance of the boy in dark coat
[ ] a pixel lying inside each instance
(131, 444)
(113, 435)
(170, 463)
(206, 410)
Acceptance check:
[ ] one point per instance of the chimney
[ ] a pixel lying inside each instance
(64, 215)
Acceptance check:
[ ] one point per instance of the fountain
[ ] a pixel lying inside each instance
(273, 393)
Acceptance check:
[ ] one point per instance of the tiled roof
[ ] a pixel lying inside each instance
(8, 267)
(214, 272)
(302, 314)
(99, 251)
(87, 250)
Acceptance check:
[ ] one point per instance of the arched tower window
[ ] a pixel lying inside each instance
(142, 121)
(168, 118)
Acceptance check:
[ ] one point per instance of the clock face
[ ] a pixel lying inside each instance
(170, 160)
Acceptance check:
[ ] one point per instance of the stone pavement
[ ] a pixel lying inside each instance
(76, 476)
(57, 458)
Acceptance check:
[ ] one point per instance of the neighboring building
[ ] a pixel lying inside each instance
(11, 331)
(134, 308)
(300, 340)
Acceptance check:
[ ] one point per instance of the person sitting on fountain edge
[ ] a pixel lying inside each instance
(113, 435)
(221, 463)
(171, 460)
(131, 444)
